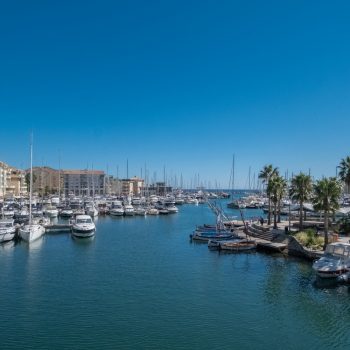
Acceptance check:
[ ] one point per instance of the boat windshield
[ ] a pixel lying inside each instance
(84, 221)
(338, 250)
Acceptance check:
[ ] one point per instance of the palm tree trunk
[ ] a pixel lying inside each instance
(269, 214)
(279, 211)
(275, 215)
(325, 230)
(300, 216)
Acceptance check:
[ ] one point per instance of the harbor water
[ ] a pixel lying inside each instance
(141, 284)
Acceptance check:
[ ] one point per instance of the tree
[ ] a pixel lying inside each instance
(344, 171)
(276, 187)
(301, 190)
(266, 174)
(326, 196)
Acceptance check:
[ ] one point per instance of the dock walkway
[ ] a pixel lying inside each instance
(58, 228)
(263, 241)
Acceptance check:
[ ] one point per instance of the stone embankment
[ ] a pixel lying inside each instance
(277, 239)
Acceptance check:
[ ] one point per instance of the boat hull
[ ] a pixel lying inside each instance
(116, 213)
(82, 233)
(30, 233)
(331, 274)
(7, 236)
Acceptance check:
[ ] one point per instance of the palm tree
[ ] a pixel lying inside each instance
(276, 187)
(266, 174)
(344, 171)
(326, 196)
(301, 189)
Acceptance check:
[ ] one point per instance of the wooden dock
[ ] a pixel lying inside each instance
(58, 228)
(264, 244)
(272, 246)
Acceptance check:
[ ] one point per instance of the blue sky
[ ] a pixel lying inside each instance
(180, 84)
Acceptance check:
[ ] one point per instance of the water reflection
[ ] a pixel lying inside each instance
(325, 283)
(7, 246)
(83, 240)
(35, 246)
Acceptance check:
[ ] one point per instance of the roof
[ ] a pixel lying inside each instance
(82, 172)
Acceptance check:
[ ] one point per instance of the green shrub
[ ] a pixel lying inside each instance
(309, 239)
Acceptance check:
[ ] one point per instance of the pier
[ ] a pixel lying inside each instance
(262, 243)
(58, 228)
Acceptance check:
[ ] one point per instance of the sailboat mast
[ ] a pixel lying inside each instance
(233, 173)
(31, 180)
(59, 176)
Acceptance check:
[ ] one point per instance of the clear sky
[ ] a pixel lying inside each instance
(180, 84)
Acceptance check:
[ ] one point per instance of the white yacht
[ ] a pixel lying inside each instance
(153, 199)
(129, 210)
(136, 201)
(335, 262)
(66, 213)
(7, 230)
(152, 211)
(179, 200)
(41, 220)
(172, 209)
(140, 211)
(83, 226)
(51, 212)
(92, 211)
(117, 209)
(8, 213)
(22, 215)
(55, 200)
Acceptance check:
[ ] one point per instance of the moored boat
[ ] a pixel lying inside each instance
(66, 213)
(335, 262)
(236, 245)
(31, 232)
(83, 226)
(7, 230)
(129, 210)
(51, 212)
(152, 211)
(211, 235)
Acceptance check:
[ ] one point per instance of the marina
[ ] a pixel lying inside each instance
(144, 271)
(174, 175)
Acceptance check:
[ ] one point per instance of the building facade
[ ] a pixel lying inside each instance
(83, 182)
(158, 189)
(46, 180)
(16, 182)
(132, 187)
(3, 178)
(12, 181)
(113, 186)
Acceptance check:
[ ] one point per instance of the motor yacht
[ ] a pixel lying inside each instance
(83, 226)
(335, 262)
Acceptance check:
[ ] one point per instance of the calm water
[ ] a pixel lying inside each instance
(141, 284)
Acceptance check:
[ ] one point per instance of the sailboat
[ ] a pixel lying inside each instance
(235, 203)
(31, 231)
